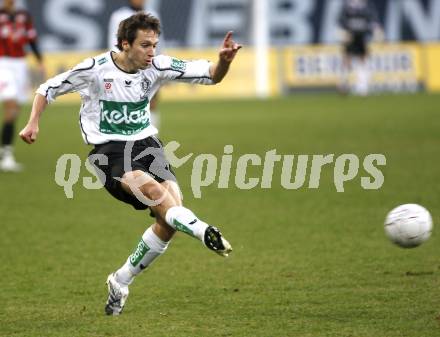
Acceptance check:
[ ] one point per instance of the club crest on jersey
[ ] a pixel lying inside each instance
(145, 87)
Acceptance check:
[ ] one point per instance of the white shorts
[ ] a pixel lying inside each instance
(14, 79)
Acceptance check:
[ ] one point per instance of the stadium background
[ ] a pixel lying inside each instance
(304, 54)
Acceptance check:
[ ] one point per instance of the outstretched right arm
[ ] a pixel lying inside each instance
(30, 131)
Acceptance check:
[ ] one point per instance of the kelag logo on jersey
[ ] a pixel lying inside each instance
(123, 118)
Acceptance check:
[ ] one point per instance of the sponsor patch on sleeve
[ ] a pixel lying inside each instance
(102, 60)
(178, 65)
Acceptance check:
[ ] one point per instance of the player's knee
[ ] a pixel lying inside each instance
(155, 191)
(152, 190)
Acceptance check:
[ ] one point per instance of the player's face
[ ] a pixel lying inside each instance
(143, 49)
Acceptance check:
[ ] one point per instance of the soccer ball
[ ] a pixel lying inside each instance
(408, 225)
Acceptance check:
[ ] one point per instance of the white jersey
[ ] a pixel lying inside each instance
(116, 104)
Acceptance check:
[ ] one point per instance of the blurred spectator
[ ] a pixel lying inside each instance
(358, 22)
(16, 31)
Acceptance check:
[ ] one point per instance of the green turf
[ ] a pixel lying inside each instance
(306, 262)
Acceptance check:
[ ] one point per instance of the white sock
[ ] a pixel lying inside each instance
(149, 248)
(184, 220)
(7, 150)
(7, 153)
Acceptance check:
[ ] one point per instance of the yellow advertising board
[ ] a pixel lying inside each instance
(393, 66)
(432, 66)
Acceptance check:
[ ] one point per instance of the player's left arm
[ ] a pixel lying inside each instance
(197, 71)
(227, 54)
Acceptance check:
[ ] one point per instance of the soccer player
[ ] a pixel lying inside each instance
(116, 88)
(358, 21)
(16, 31)
(116, 17)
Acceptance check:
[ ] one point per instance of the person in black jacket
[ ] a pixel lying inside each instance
(358, 22)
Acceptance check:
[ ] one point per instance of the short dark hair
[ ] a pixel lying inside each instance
(128, 28)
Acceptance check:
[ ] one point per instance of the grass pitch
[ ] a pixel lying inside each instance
(306, 262)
